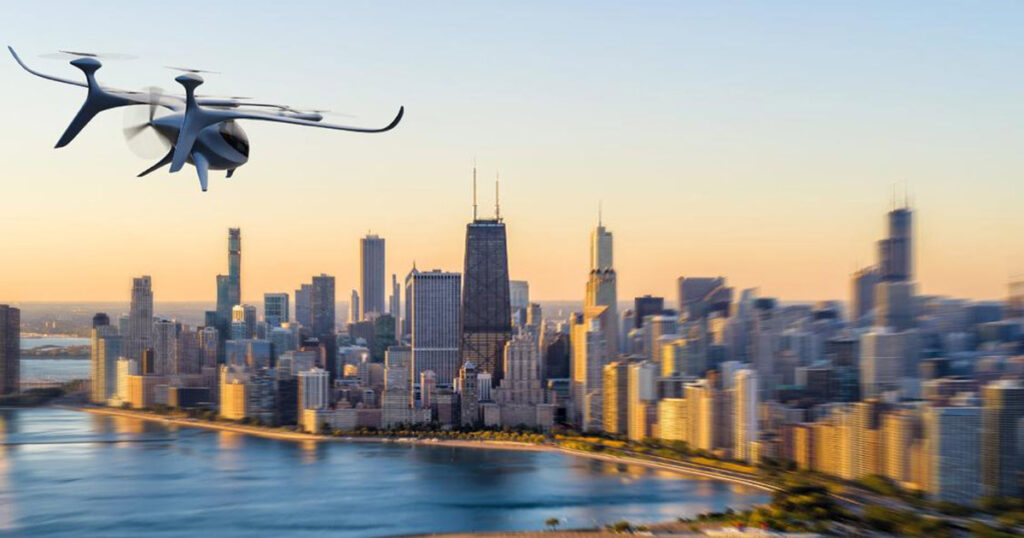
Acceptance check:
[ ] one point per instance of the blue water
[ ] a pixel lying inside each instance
(31, 342)
(36, 370)
(71, 473)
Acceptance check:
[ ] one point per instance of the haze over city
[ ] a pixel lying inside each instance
(761, 143)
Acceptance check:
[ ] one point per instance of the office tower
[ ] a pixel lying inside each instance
(952, 439)
(616, 398)
(894, 305)
(140, 317)
(208, 347)
(520, 395)
(188, 356)
(371, 276)
(895, 252)
(229, 287)
(125, 367)
(106, 348)
(313, 389)
(323, 321)
(519, 299)
(10, 349)
(123, 324)
(100, 319)
(486, 305)
(483, 386)
(642, 397)
(555, 346)
(899, 431)
(1001, 462)
(646, 306)
(745, 413)
(433, 305)
(602, 285)
(884, 359)
(708, 414)
(588, 332)
(234, 393)
(698, 296)
(246, 315)
(428, 387)
(275, 309)
(862, 296)
(675, 357)
(395, 305)
(252, 353)
(469, 395)
(655, 327)
(353, 307)
(165, 345)
(282, 340)
(303, 308)
(396, 402)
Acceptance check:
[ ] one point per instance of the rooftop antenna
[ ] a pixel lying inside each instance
(600, 221)
(474, 188)
(497, 200)
(906, 193)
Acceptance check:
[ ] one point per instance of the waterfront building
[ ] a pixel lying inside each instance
(616, 398)
(745, 406)
(140, 317)
(371, 277)
(952, 437)
(313, 389)
(322, 320)
(125, 367)
(275, 309)
(642, 398)
(672, 424)
(234, 392)
(1002, 418)
(165, 345)
(469, 395)
(520, 395)
(486, 305)
(10, 349)
(589, 356)
(900, 429)
(105, 349)
(433, 306)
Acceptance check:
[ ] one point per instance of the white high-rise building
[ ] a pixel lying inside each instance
(744, 413)
(435, 323)
(953, 445)
(371, 276)
(313, 389)
(140, 317)
(590, 354)
(642, 396)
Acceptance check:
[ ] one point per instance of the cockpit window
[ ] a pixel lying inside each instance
(235, 137)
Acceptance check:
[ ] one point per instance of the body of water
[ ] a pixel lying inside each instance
(71, 473)
(32, 342)
(37, 370)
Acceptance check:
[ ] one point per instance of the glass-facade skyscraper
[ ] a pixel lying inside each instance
(10, 349)
(371, 276)
(486, 305)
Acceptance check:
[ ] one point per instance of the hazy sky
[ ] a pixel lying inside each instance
(759, 141)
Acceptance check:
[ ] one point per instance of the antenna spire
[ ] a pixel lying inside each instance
(600, 220)
(474, 188)
(497, 199)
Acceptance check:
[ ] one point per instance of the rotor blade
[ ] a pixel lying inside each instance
(132, 132)
(191, 70)
(72, 54)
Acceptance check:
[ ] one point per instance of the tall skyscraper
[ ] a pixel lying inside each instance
(303, 308)
(642, 395)
(745, 413)
(433, 304)
(229, 287)
(588, 333)
(895, 252)
(616, 398)
(354, 307)
(275, 309)
(140, 317)
(646, 306)
(10, 349)
(1001, 464)
(246, 315)
(486, 305)
(862, 296)
(601, 286)
(165, 345)
(371, 276)
(395, 306)
(106, 348)
(699, 296)
(952, 438)
(323, 320)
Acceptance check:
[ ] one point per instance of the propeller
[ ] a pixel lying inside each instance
(191, 70)
(143, 136)
(73, 54)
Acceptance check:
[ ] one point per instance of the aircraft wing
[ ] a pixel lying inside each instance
(264, 116)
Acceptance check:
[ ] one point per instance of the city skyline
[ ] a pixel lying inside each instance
(764, 161)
